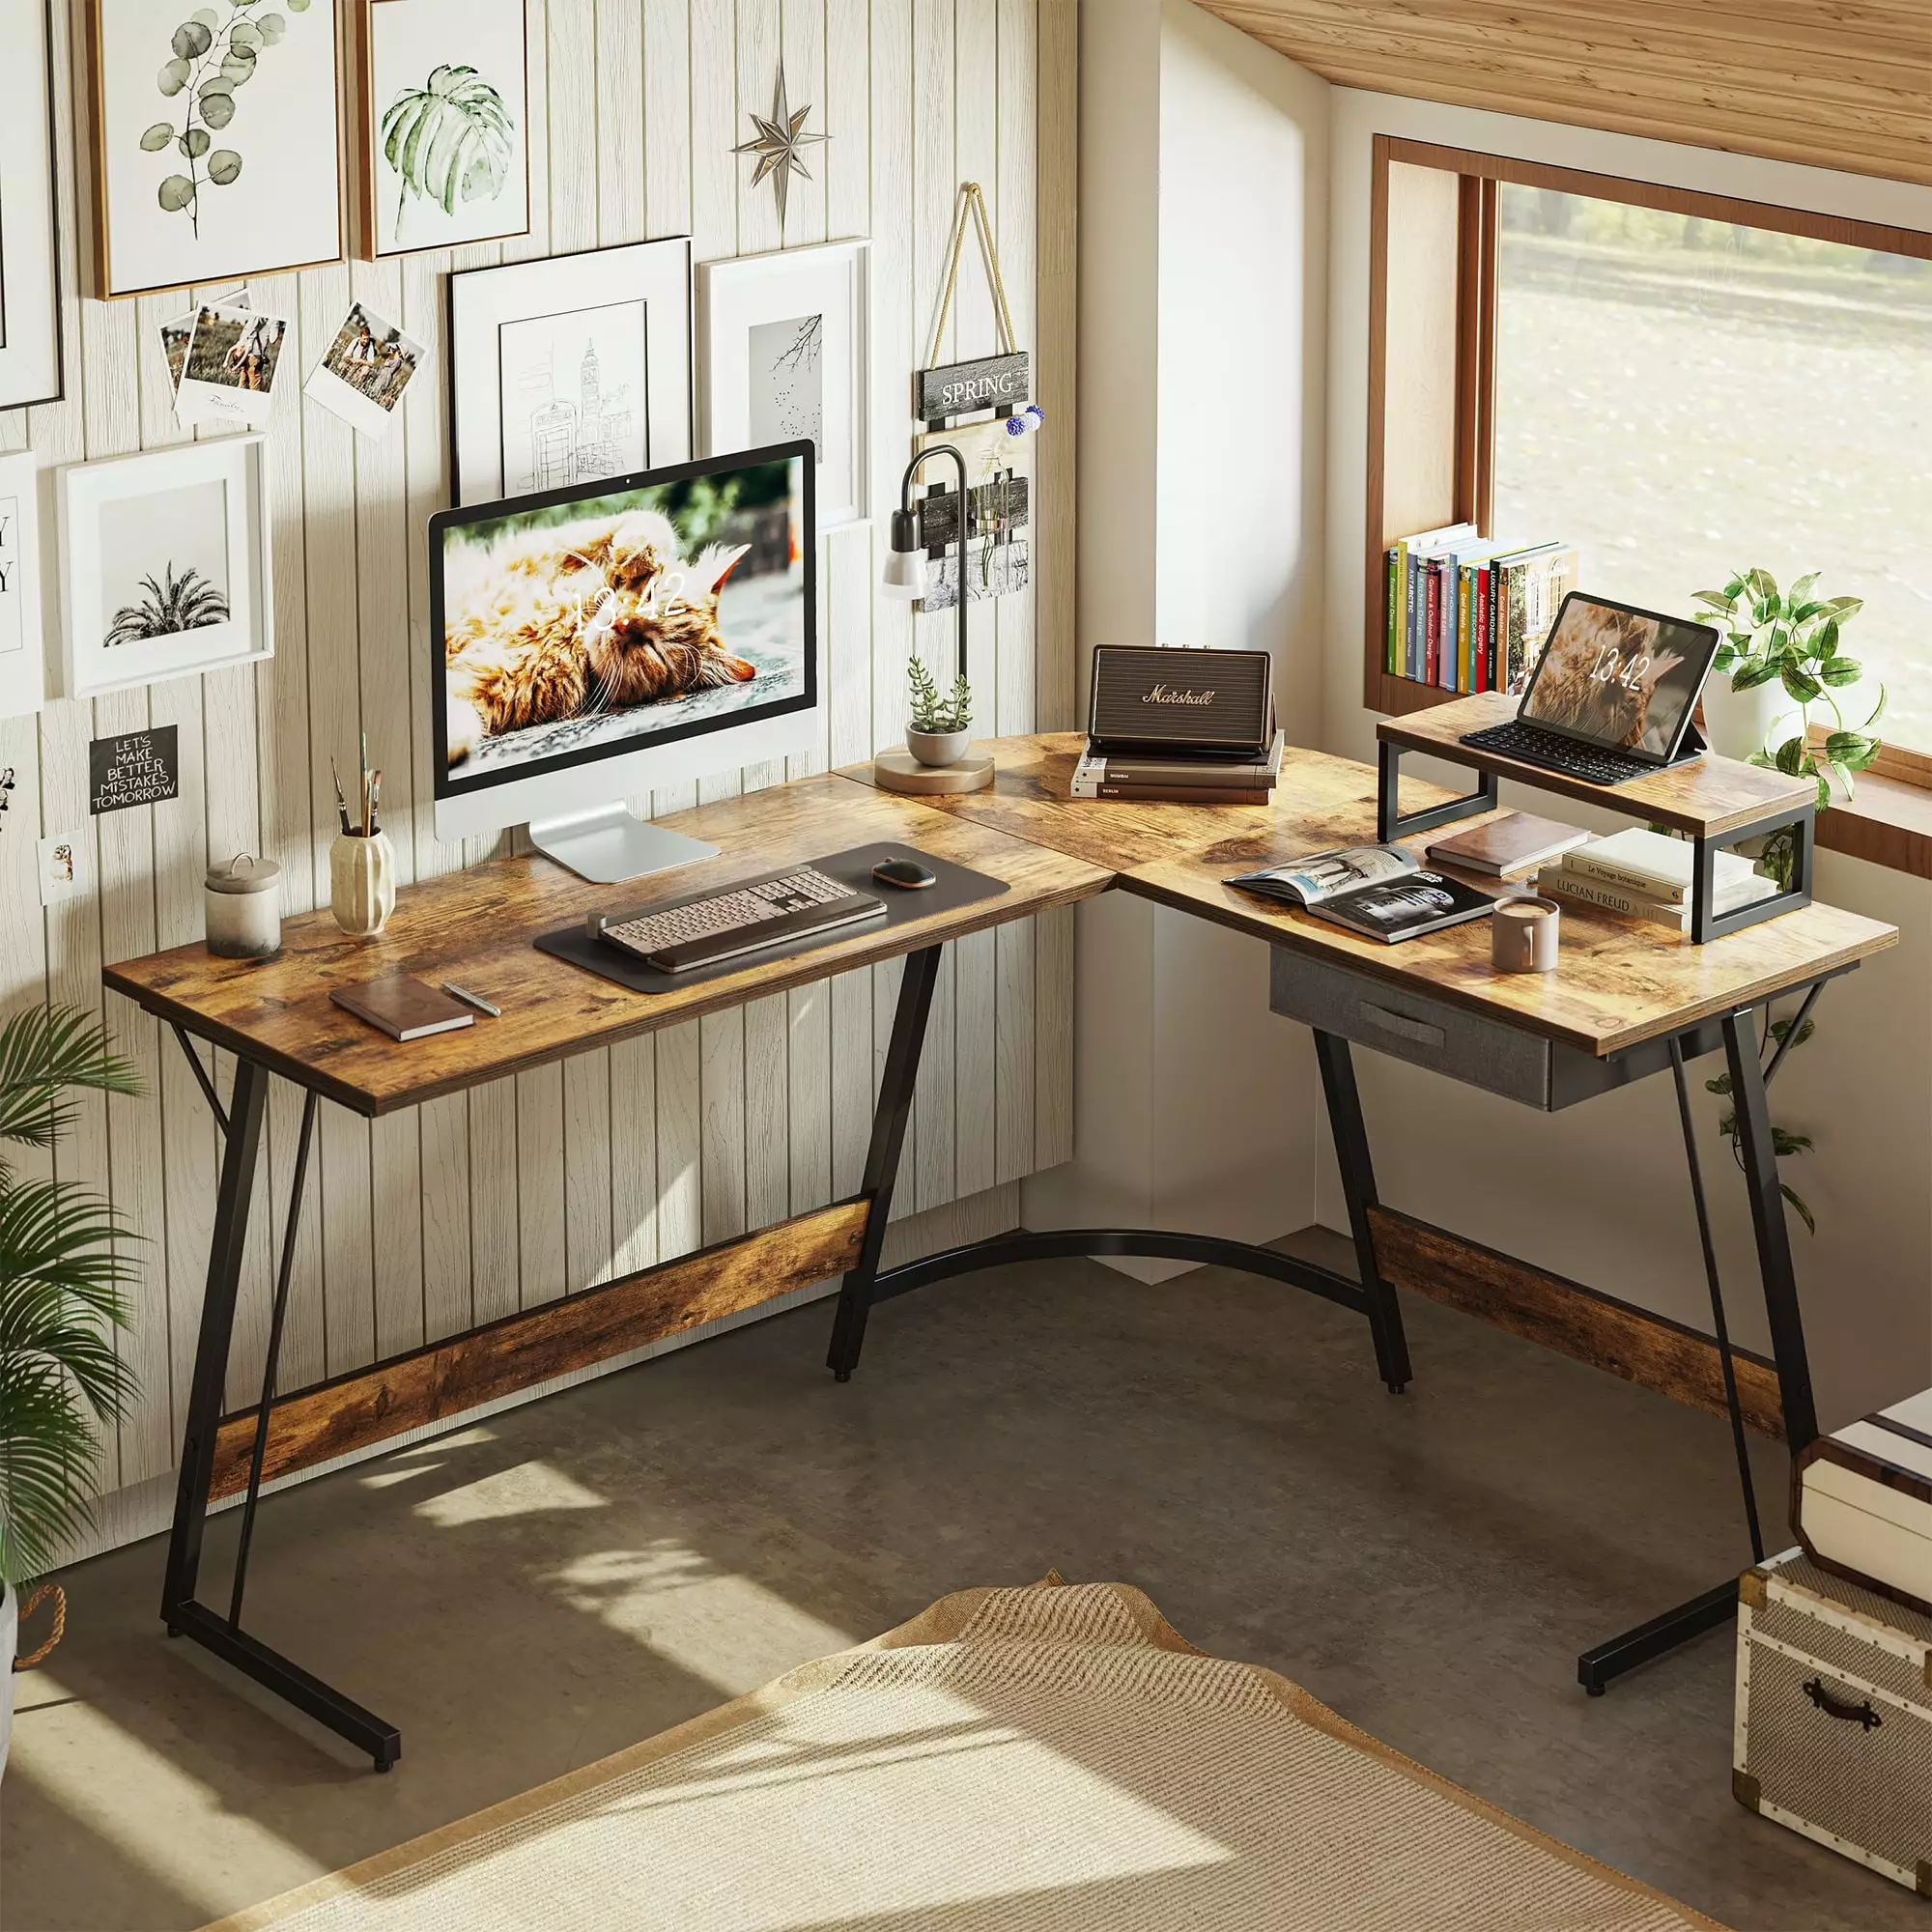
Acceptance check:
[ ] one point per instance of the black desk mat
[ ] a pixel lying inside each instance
(955, 886)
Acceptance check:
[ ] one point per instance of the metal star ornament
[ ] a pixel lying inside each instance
(777, 145)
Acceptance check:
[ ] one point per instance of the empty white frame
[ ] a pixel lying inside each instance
(570, 370)
(217, 140)
(787, 353)
(30, 344)
(22, 642)
(164, 565)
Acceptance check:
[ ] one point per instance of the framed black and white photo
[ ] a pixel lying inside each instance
(164, 565)
(22, 644)
(30, 336)
(442, 124)
(786, 352)
(570, 370)
(217, 147)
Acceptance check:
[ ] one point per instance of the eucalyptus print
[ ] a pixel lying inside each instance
(213, 55)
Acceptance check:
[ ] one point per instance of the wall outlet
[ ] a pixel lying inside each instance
(66, 867)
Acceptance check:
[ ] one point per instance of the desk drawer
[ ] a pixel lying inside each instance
(1391, 1019)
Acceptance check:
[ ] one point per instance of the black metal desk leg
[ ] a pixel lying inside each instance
(1358, 1187)
(1755, 1147)
(882, 1158)
(246, 1106)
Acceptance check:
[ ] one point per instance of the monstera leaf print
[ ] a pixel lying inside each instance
(211, 55)
(450, 140)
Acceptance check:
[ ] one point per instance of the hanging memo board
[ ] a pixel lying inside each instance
(1000, 381)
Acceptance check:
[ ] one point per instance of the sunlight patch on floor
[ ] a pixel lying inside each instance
(718, 1626)
(529, 1489)
(140, 1802)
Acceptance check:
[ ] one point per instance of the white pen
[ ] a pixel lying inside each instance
(482, 1005)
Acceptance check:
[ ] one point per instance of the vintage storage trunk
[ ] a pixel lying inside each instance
(1861, 1501)
(1834, 1731)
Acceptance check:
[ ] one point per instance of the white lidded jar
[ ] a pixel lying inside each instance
(243, 898)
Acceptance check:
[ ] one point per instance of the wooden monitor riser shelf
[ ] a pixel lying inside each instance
(1713, 801)
(1622, 988)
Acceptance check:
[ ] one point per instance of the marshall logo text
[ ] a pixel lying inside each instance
(1165, 694)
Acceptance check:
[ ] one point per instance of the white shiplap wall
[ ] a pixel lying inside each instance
(423, 1223)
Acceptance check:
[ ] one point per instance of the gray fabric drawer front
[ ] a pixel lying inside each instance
(1425, 1032)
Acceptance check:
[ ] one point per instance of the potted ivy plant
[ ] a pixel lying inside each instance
(938, 732)
(1778, 658)
(63, 1265)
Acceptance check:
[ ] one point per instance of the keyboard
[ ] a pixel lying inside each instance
(743, 918)
(1594, 764)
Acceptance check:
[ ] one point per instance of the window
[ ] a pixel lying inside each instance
(1678, 385)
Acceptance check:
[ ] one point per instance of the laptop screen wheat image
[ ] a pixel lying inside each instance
(1620, 677)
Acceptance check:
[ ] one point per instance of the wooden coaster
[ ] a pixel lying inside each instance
(897, 770)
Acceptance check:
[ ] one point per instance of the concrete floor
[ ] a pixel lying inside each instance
(580, 1574)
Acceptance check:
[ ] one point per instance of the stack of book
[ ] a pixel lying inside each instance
(1181, 778)
(1647, 876)
(1467, 614)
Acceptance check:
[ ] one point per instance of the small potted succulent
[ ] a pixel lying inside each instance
(938, 732)
(63, 1266)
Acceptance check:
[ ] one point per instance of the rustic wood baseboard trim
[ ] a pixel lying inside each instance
(1642, 1347)
(369, 1406)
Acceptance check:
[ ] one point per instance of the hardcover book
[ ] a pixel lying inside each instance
(1651, 863)
(1518, 842)
(403, 1008)
(1379, 891)
(1638, 904)
(1211, 773)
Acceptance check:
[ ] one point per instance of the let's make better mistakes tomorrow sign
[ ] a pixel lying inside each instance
(136, 768)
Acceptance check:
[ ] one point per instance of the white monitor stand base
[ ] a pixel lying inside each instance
(612, 843)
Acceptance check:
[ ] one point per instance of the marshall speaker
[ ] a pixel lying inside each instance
(1192, 702)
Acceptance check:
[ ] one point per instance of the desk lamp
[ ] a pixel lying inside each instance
(902, 767)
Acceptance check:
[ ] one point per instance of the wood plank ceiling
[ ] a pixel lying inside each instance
(1834, 83)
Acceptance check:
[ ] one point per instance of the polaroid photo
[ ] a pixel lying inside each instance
(367, 371)
(233, 359)
(178, 331)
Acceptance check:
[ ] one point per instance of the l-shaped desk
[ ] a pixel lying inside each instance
(1628, 999)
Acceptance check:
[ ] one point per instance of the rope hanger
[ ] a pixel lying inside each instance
(970, 198)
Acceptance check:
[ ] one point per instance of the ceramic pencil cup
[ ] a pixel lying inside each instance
(1525, 933)
(362, 883)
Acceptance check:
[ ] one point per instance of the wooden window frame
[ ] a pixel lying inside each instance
(1454, 380)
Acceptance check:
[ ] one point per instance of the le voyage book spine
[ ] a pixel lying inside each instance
(1652, 884)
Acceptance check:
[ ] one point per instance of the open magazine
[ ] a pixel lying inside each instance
(1378, 889)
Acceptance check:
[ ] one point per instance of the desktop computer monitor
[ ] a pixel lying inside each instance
(608, 639)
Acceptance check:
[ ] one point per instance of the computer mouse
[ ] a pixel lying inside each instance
(908, 873)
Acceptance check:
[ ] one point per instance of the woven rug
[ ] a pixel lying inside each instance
(1048, 1759)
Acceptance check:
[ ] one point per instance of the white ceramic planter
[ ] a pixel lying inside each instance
(937, 747)
(362, 884)
(9, 1637)
(1739, 723)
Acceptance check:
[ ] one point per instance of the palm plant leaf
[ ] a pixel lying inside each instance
(41, 1053)
(188, 602)
(61, 1273)
(450, 140)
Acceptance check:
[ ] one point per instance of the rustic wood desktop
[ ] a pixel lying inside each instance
(1627, 1002)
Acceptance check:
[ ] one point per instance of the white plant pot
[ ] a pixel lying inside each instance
(1739, 723)
(9, 1637)
(937, 747)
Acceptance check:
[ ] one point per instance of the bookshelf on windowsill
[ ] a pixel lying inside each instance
(1716, 802)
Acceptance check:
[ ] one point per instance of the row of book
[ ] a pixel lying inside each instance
(1181, 779)
(1468, 615)
(1638, 872)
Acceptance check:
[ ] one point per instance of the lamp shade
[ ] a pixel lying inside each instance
(904, 575)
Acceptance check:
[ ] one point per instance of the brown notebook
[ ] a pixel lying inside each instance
(403, 1008)
(1516, 843)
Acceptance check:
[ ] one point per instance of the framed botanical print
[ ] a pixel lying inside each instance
(22, 646)
(164, 565)
(443, 114)
(569, 370)
(30, 336)
(786, 345)
(217, 143)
